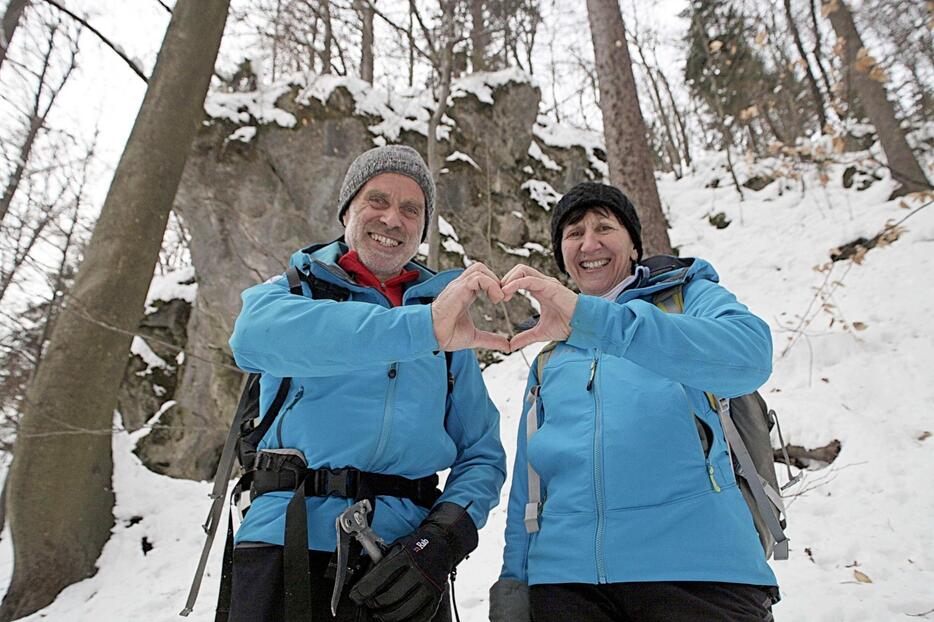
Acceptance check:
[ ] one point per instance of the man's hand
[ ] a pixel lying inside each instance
(409, 582)
(557, 304)
(450, 312)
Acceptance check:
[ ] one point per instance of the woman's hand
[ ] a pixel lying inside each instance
(450, 311)
(557, 304)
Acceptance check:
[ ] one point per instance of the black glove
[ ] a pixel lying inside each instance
(408, 583)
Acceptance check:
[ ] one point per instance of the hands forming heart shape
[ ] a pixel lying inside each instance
(455, 329)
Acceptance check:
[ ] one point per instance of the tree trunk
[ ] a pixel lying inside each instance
(366, 43)
(479, 36)
(628, 154)
(812, 81)
(14, 11)
(446, 48)
(60, 496)
(902, 162)
(328, 37)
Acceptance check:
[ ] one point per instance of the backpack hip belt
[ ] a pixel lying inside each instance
(277, 471)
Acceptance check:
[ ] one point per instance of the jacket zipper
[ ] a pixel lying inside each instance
(298, 396)
(387, 413)
(598, 472)
(713, 479)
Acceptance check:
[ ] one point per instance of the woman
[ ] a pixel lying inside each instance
(640, 517)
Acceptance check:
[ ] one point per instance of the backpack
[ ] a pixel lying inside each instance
(746, 421)
(247, 430)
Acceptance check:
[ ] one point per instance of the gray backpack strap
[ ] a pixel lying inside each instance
(533, 507)
(534, 504)
(765, 500)
(218, 493)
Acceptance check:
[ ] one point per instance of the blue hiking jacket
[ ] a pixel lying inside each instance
(628, 493)
(369, 391)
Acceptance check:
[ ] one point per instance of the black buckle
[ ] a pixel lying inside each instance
(336, 482)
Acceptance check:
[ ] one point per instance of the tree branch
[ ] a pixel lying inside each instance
(103, 39)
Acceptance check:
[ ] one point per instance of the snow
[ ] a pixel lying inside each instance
(462, 157)
(140, 348)
(542, 193)
(408, 110)
(243, 134)
(481, 84)
(869, 512)
(536, 152)
(176, 285)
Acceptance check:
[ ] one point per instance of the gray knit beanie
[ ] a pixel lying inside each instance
(389, 159)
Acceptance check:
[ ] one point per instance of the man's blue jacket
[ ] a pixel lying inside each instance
(628, 492)
(369, 391)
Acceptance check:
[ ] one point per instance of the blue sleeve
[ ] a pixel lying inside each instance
(516, 553)
(716, 345)
(479, 469)
(286, 335)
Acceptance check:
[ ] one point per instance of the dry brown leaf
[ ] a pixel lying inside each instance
(715, 46)
(859, 326)
(824, 179)
(924, 436)
(878, 74)
(861, 576)
(839, 144)
(761, 37)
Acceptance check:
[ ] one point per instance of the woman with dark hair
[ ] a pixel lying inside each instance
(624, 504)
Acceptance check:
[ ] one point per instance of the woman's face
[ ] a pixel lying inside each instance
(598, 252)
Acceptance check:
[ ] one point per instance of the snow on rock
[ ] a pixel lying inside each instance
(176, 285)
(462, 157)
(255, 106)
(536, 152)
(542, 193)
(243, 134)
(140, 348)
(565, 137)
(481, 84)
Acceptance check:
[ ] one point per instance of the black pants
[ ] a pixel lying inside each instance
(670, 601)
(257, 593)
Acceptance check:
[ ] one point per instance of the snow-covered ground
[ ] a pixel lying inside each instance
(858, 369)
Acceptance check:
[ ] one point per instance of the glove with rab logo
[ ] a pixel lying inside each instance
(409, 582)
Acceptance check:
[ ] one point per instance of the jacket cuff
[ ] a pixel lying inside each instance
(509, 601)
(458, 528)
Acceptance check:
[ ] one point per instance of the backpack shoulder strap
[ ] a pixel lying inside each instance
(542, 359)
(533, 506)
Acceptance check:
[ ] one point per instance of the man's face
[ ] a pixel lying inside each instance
(598, 251)
(384, 223)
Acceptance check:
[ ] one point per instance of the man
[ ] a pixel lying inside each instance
(374, 400)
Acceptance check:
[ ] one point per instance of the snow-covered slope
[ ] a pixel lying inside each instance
(854, 352)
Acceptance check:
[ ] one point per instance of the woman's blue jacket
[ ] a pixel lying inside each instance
(369, 391)
(628, 493)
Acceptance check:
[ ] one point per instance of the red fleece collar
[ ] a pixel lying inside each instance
(392, 288)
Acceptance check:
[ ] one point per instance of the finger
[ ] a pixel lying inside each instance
(523, 339)
(532, 284)
(479, 268)
(491, 341)
(518, 271)
(490, 285)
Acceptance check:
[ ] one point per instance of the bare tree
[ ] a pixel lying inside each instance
(628, 154)
(11, 17)
(812, 81)
(42, 103)
(859, 67)
(63, 449)
(366, 40)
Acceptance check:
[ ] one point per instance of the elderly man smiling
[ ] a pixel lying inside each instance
(375, 408)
